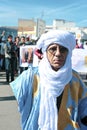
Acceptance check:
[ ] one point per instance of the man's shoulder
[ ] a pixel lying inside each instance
(30, 71)
(75, 73)
(76, 77)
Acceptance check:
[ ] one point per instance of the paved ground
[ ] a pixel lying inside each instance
(9, 115)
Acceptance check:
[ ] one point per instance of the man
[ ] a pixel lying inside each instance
(10, 55)
(52, 96)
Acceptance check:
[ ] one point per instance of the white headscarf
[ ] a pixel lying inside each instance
(53, 82)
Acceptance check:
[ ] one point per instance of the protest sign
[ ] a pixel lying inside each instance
(79, 60)
(27, 56)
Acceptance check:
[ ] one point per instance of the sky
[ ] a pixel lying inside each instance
(48, 10)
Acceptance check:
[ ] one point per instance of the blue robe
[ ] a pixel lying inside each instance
(26, 89)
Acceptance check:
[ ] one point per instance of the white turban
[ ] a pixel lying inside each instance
(63, 38)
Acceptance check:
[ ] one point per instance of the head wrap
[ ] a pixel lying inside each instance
(53, 82)
(63, 38)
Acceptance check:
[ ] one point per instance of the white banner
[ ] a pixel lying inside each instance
(79, 60)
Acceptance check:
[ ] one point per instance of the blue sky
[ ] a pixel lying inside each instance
(48, 10)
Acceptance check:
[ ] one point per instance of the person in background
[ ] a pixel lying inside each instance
(3, 43)
(77, 45)
(16, 42)
(22, 41)
(10, 55)
(81, 45)
(52, 96)
(28, 41)
(3, 36)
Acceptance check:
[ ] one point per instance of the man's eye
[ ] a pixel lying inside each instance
(53, 49)
(63, 49)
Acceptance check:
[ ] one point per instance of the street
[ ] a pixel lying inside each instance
(9, 115)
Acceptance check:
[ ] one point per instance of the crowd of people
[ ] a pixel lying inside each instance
(9, 54)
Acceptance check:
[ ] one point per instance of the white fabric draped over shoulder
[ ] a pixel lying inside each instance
(53, 83)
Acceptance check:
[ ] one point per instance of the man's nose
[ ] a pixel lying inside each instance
(58, 52)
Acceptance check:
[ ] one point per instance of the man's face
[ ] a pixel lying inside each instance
(23, 40)
(10, 39)
(56, 55)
